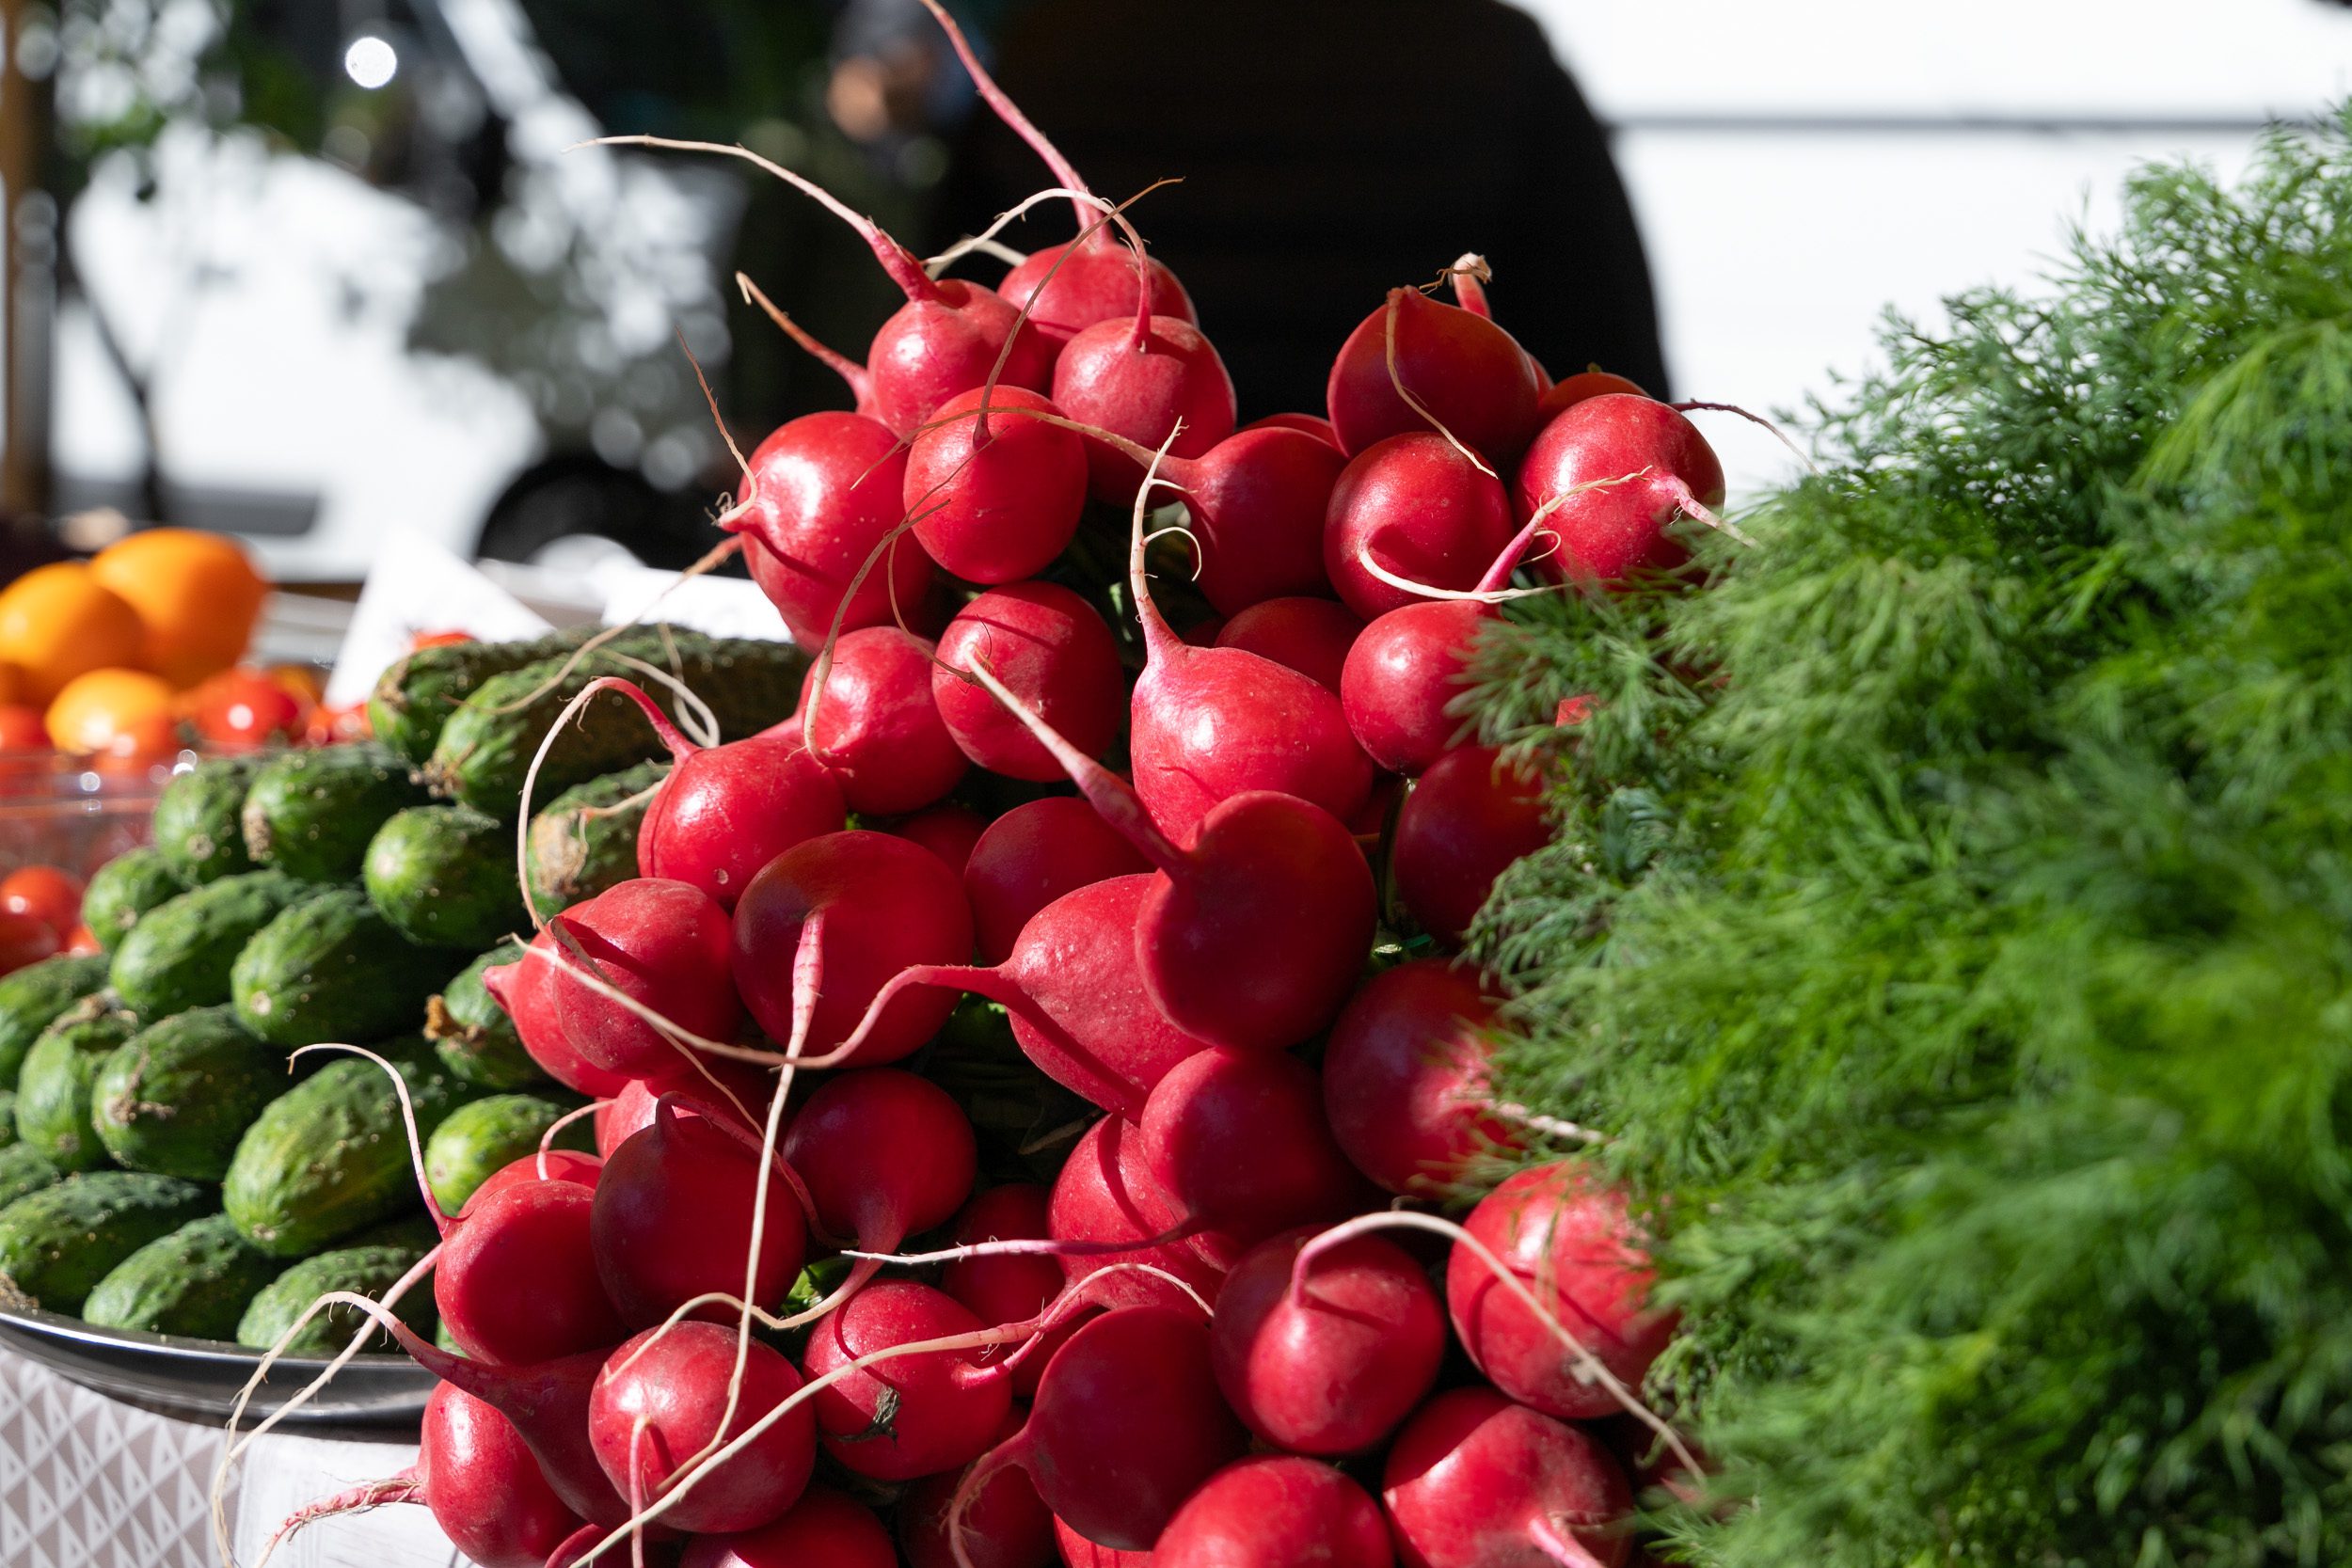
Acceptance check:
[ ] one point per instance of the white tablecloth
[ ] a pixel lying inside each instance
(87, 1482)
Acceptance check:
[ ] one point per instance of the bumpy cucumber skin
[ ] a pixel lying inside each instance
(195, 1282)
(415, 697)
(472, 1033)
(329, 1157)
(175, 1097)
(54, 1096)
(33, 997)
(122, 891)
(444, 875)
(367, 1271)
(198, 825)
(7, 1118)
(332, 968)
(485, 749)
(487, 1136)
(311, 813)
(25, 1169)
(59, 1242)
(585, 839)
(180, 956)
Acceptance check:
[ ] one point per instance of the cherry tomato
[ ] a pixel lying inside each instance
(330, 725)
(79, 942)
(25, 940)
(300, 682)
(52, 896)
(243, 709)
(23, 728)
(140, 745)
(437, 639)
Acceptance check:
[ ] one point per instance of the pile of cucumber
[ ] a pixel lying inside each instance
(166, 1162)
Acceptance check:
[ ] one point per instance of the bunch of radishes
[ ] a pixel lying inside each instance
(1196, 1348)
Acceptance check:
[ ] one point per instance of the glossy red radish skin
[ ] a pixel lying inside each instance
(1051, 647)
(690, 1093)
(1095, 281)
(995, 495)
(1003, 1525)
(1311, 425)
(1275, 1512)
(824, 491)
(672, 1221)
(1310, 636)
(484, 1485)
(1146, 379)
(1572, 390)
(1569, 1237)
(1476, 1482)
(664, 944)
(1402, 675)
(1106, 1192)
(1467, 374)
(661, 1397)
(884, 1154)
(1009, 1287)
(1031, 856)
(1333, 1363)
(1616, 469)
(1238, 1140)
(518, 1280)
(1078, 1552)
(948, 831)
(556, 1164)
(1257, 502)
(525, 989)
(939, 347)
(825, 1526)
(876, 728)
(1413, 507)
(915, 1415)
(1465, 823)
(1405, 1079)
(828, 923)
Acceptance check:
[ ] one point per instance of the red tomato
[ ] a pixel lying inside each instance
(244, 708)
(52, 896)
(25, 940)
(437, 639)
(23, 728)
(139, 745)
(79, 942)
(328, 725)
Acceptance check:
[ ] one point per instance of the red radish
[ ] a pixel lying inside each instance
(690, 1093)
(1078, 1552)
(1413, 508)
(994, 495)
(1257, 502)
(1476, 1482)
(1332, 1363)
(1203, 633)
(661, 1398)
(1031, 856)
(828, 923)
(1466, 821)
(1310, 636)
(1127, 1423)
(1469, 276)
(1073, 985)
(1312, 424)
(561, 1165)
(484, 1486)
(884, 1154)
(948, 831)
(823, 1528)
(823, 493)
(852, 374)
(663, 943)
(517, 1279)
(672, 1221)
(1616, 469)
(1275, 1512)
(1146, 379)
(1007, 1524)
(1050, 646)
(722, 812)
(1254, 937)
(1405, 1078)
(1467, 374)
(1569, 1237)
(1237, 1139)
(1402, 675)
(1572, 390)
(525, 989)
(872, 724)
(1209, 723)
(918, 1414)
(1106, 1192)
(1008, 1287)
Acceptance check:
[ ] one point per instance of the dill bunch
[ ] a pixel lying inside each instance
(1951, 920)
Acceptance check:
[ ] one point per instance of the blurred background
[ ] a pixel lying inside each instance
(323, 274)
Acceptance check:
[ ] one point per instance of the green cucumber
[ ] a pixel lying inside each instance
(54, 1095)
(415, 697)
(332, 968)
(7, 1118)
(31, 999)
(310, 814)
(180, 956)
(25, 1169)
(176, 1097)
(59, 1242)
(122, 891)
(366, 1271)
(472, 1033)
(330, 1156)
(585, 839)
(485, 1136)
(197, 1282)
(198, 830)
(445, 876)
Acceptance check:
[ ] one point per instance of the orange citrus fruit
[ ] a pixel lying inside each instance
(197, 594)
(59, 621)
(96, 707)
